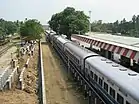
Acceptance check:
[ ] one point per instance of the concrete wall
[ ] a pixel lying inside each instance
(42, 95)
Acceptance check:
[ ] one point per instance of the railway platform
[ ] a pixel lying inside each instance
(121, 49)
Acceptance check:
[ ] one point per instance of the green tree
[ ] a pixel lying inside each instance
(69, 21)
(11, 27)
(31, 29)
(8, 27)
(2, 33)
(128, 28)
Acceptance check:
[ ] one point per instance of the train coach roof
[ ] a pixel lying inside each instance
(78, 50)
(55, 36)
(62, 40)
(124, 78)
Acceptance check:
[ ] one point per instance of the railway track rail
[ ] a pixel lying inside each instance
(2, 51)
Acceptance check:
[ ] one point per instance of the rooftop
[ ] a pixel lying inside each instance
(130, 41)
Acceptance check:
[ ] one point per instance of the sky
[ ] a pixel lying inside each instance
(106, 10)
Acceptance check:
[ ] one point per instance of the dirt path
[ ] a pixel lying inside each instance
(58, 89)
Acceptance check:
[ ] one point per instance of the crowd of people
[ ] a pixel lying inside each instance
(27, 48)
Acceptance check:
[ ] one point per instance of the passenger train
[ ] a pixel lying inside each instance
(116, 83)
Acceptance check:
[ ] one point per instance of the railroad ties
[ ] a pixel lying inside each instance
(4, 76)
(11, 73)
(12, 78)
(21, 77)
(8, 77)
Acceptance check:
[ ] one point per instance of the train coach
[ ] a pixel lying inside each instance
(112, 81)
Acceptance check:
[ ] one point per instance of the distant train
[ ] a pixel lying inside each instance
(113, 81)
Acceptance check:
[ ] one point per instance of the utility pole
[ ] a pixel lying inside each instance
(90, 21)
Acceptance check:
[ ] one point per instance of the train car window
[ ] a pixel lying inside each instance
(100, 81)
(112, 92)
(120, 99)
(106, 86)
(127, 102)
(95, 77)
(92, 74)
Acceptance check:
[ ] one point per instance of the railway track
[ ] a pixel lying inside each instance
(2, 51)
